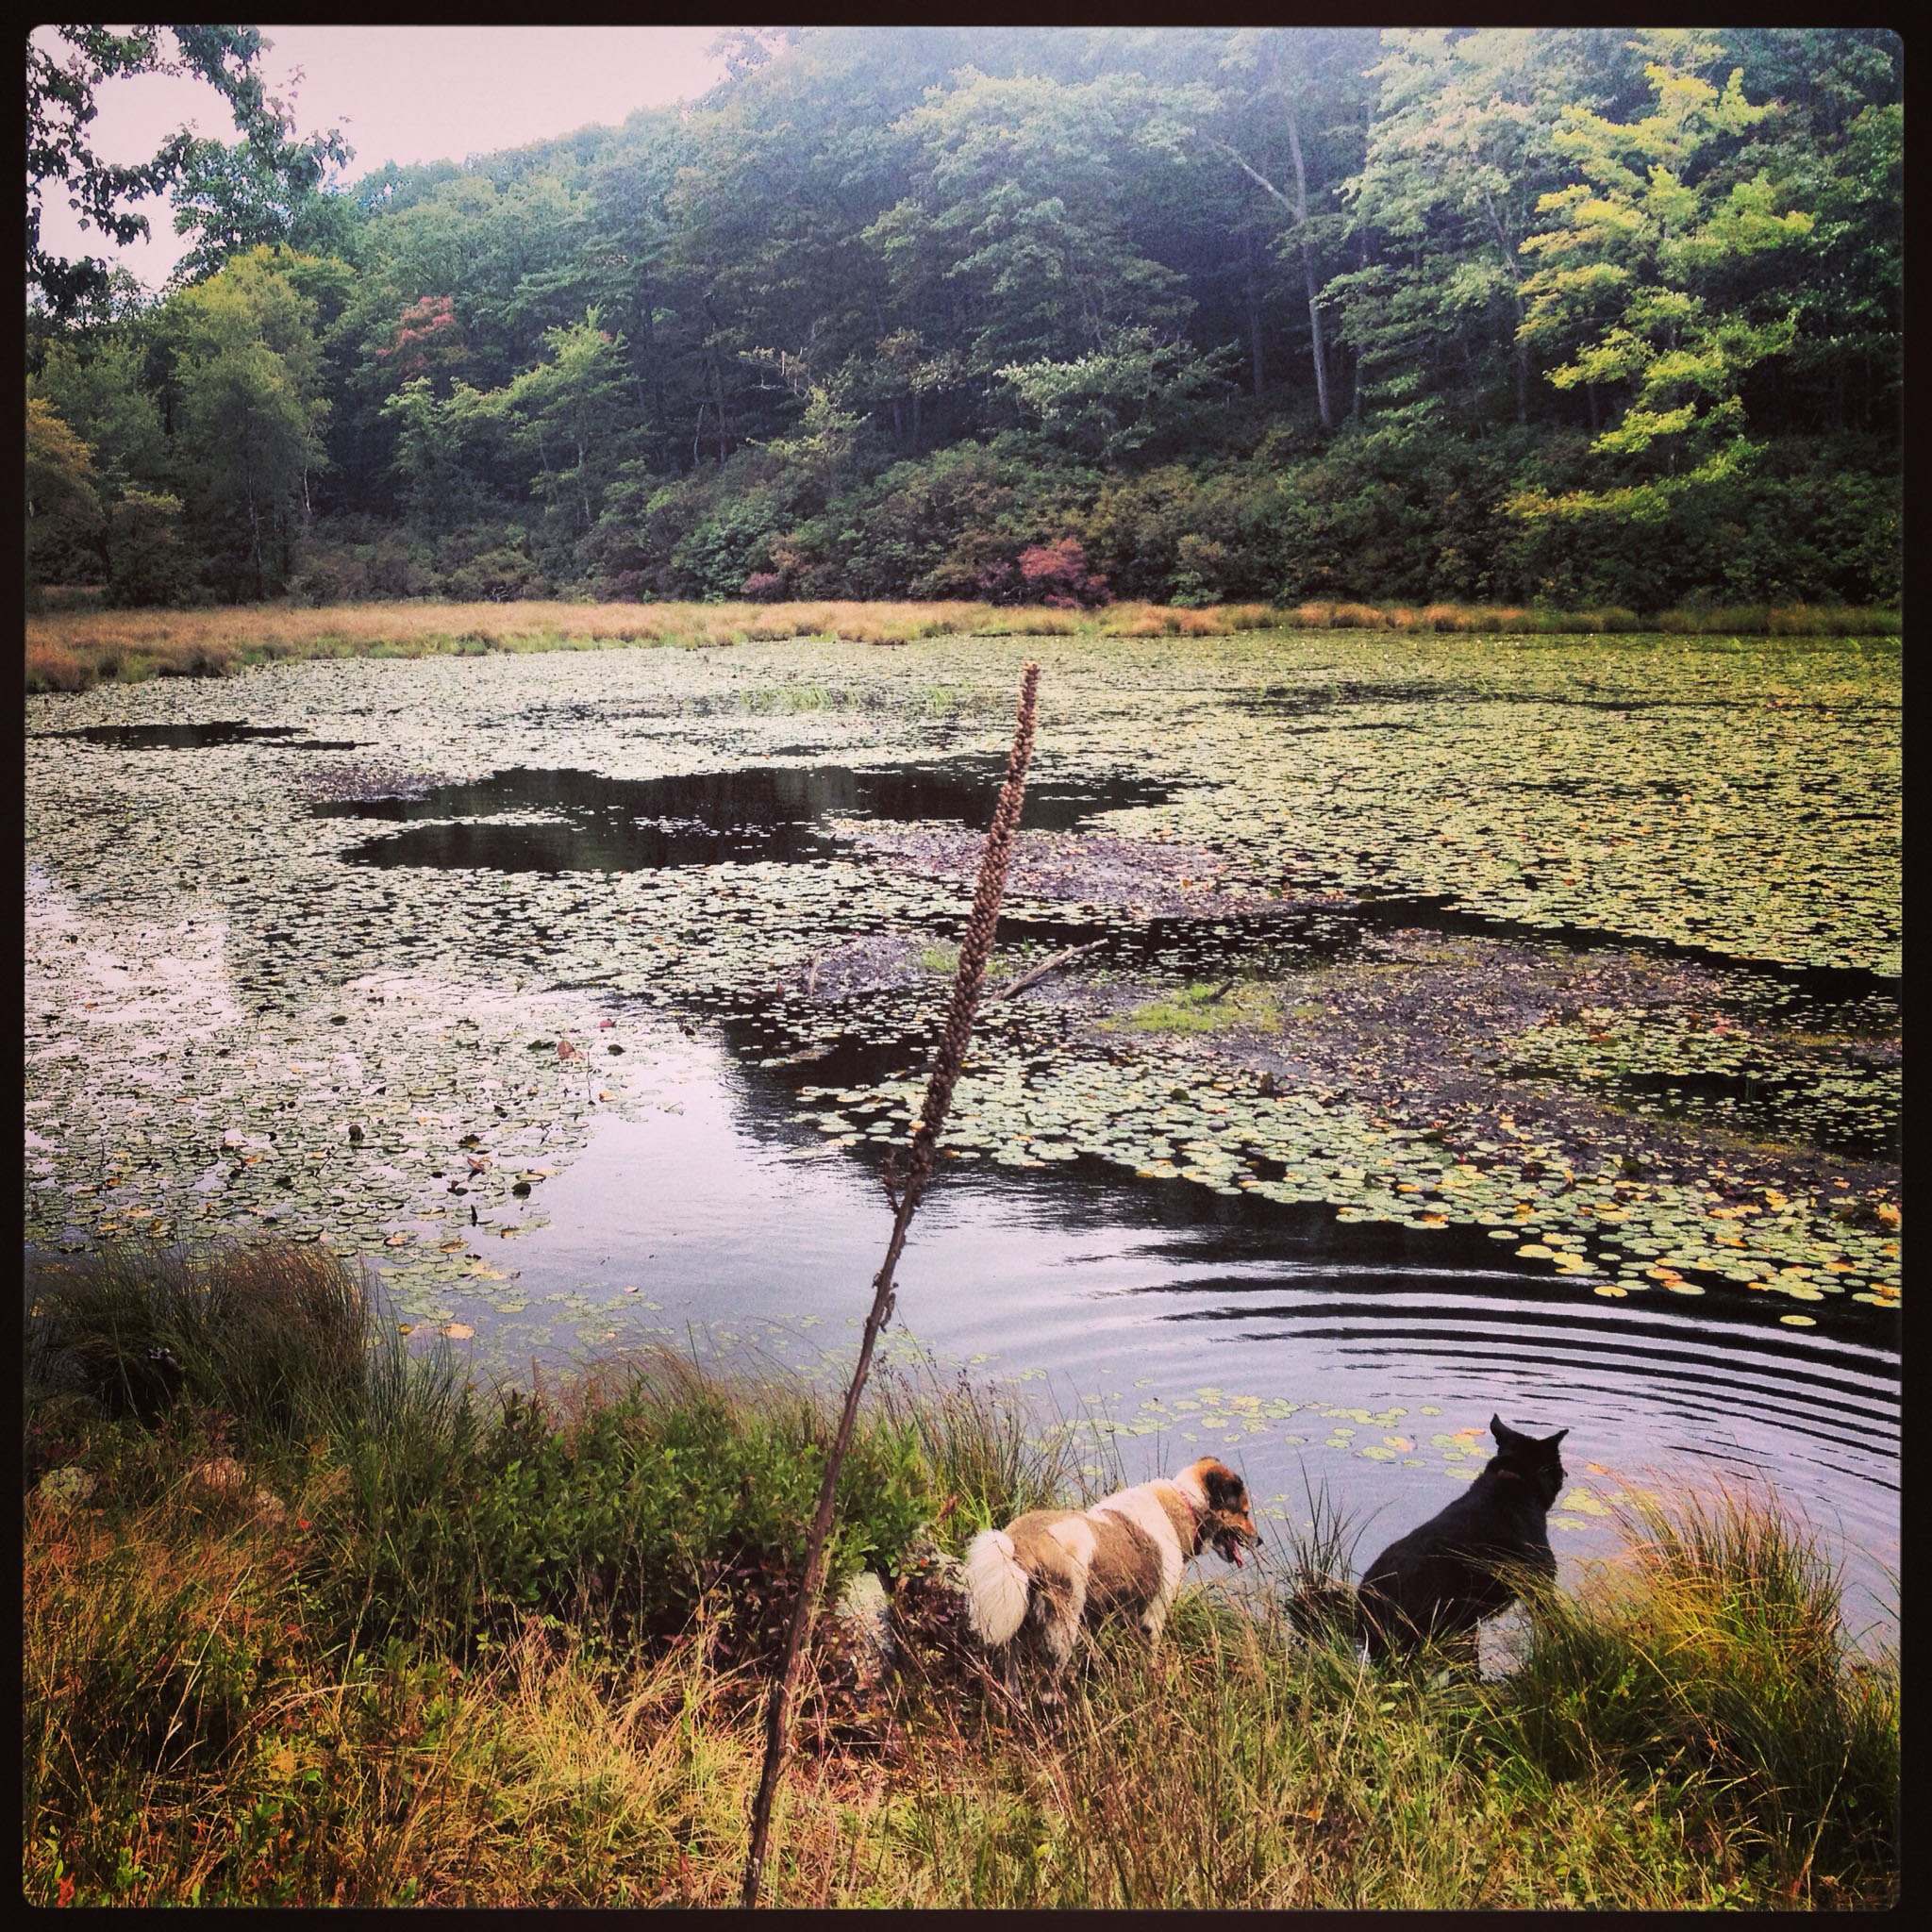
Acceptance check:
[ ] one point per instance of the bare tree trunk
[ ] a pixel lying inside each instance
(1301, 222)
(1509, 255)
(717, 391)
(1253, 291)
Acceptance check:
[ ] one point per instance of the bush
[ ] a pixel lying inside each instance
(1055, 575)
(271, 1335)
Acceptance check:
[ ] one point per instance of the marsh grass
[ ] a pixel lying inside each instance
(73, 649)
(1203, 1008)
(1714, 1653)
(351, 1699)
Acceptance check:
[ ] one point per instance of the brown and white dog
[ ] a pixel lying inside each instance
(1052, 1570)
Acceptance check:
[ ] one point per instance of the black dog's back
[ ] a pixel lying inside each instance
(1440, 1580)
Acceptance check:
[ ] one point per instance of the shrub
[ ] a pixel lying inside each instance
(271, 1334)
(1055, 575)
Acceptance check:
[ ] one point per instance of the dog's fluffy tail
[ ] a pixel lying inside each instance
(997, 1589)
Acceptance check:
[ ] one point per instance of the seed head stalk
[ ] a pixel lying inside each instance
(974, 950)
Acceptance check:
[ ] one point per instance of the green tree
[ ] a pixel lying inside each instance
(1285, 84)
(148, 560)
(1115, 399)
(1664, 274)
(63, 509)
(65, 65)
(97, 387)
(261, 193)
(1462, 147)
(1022, 212)
(248, 415)
(570, 409)
(441, 451)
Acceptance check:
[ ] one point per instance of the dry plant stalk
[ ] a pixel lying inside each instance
(974, 950)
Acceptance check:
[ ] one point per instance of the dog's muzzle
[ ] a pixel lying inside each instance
(1229, 1537)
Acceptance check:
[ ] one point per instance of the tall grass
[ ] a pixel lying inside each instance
(75, 649)
(271, 1335)
(355, 1699)
(1714, 1653)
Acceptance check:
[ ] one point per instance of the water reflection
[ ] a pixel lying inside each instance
(594, 824)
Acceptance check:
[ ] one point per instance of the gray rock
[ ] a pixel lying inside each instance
(67, 1485)
(864, 1614)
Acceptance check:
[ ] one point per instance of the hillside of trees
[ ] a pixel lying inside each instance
(1570, 314)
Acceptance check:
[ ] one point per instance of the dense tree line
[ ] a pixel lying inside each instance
(1188, 314)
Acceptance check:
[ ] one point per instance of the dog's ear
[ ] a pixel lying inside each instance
(1504, 1434)
(1225, 1490)
(1550, 1442)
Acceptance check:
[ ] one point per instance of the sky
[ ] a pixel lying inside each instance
(398, 94)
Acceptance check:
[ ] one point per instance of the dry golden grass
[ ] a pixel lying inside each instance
(76, 648)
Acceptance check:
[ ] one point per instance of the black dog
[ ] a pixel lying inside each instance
(1439, 1581)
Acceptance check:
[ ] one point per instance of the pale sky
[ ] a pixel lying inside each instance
(398, 94)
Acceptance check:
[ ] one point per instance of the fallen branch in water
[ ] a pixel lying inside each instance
(1014, 987)
(974, 950)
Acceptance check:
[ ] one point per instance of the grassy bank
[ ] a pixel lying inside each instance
(310, 1619)
(74, 648)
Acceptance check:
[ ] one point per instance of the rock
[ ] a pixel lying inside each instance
(220, 1474)
(67, 1485)
(864, 1614)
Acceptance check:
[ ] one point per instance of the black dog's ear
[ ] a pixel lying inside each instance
(1551, 1442)
(1504, 1434)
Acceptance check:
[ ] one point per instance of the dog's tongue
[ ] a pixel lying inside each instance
(1236, 1550)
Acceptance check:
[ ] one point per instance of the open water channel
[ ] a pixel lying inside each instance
(584, 995)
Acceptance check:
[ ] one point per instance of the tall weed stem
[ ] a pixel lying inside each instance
(974, 950)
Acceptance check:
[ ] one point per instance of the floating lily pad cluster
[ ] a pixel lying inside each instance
(1837, 1093)
(230, 1029)
(1156, 1115)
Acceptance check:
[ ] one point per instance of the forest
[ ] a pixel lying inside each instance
(1570, 315)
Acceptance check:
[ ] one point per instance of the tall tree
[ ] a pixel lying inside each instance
(63, 509)
(1021, 207)
(65, 66)
(1663, 270)
(1284, 81)
(257, 193)
(249, 412)
(1460, 150)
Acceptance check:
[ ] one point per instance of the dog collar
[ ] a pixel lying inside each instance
(1200, 1513)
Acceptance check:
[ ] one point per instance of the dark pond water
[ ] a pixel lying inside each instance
(1273, 1335)
(198, 737)
(594, 824)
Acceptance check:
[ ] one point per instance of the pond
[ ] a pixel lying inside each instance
(1467, 1026)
